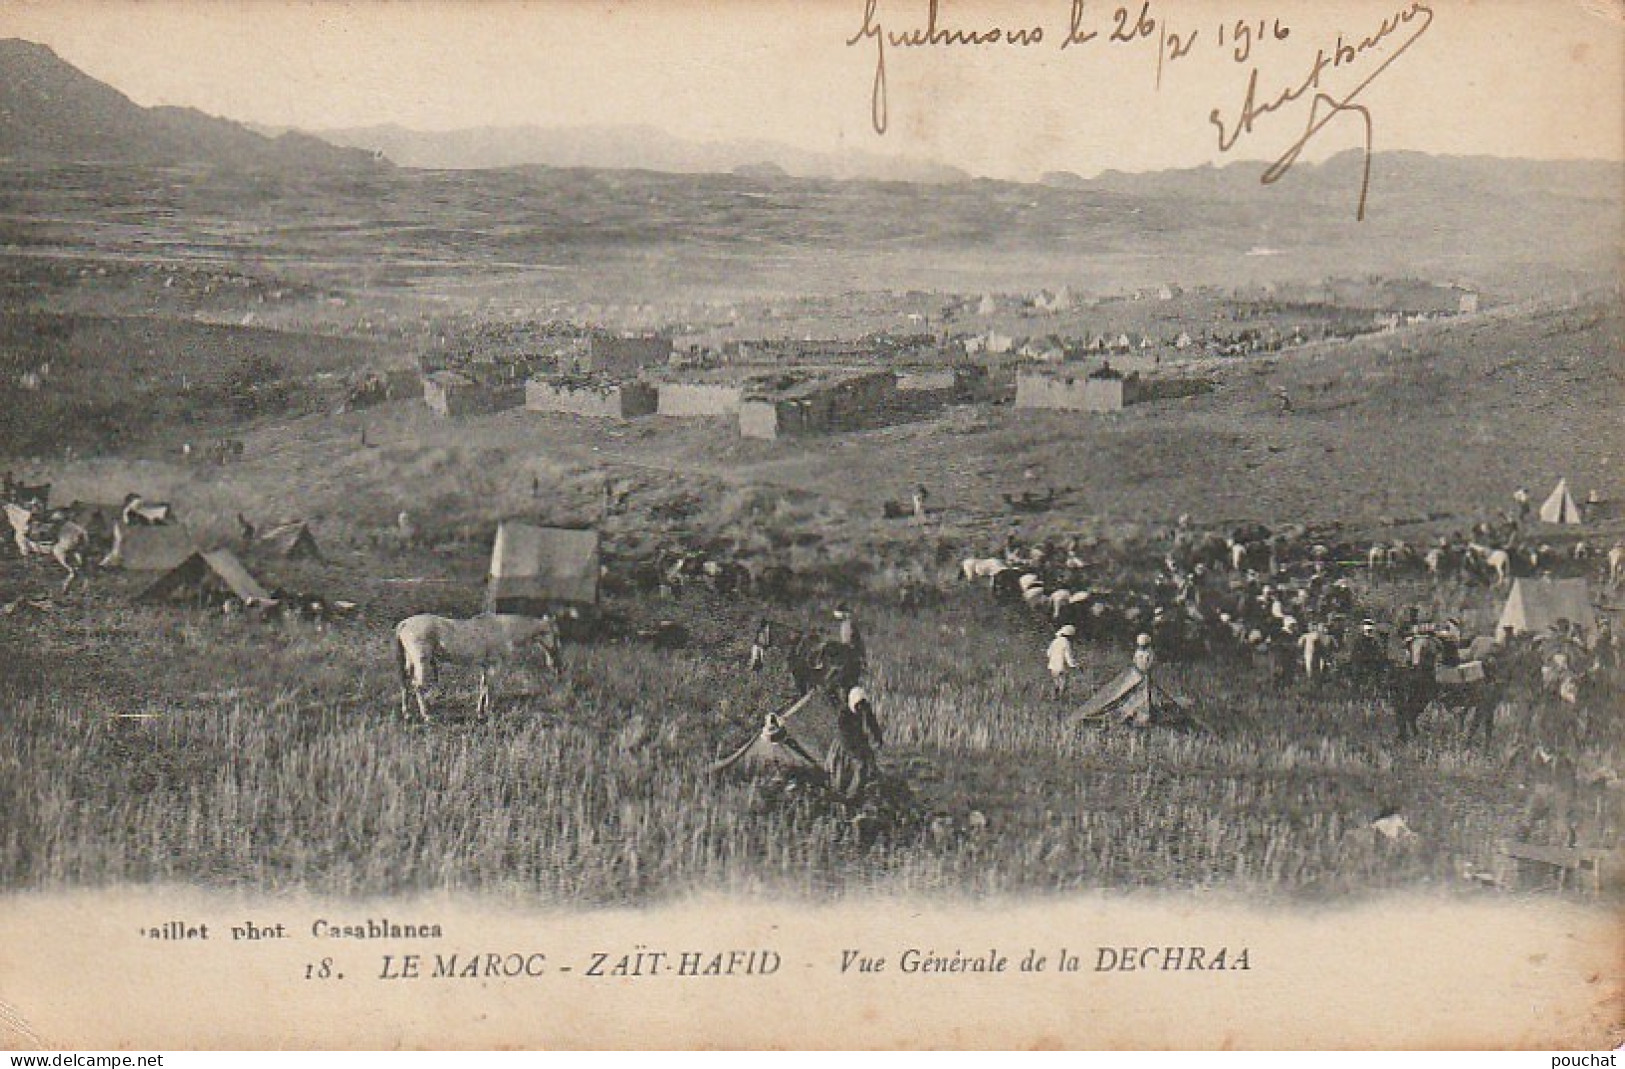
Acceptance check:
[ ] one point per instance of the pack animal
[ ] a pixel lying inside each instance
(423, 642)
(973, 568)
(1497, 561)
(66, 545)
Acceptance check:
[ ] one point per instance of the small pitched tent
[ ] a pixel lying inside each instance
(1132, 697)
(1536, 604)
(291, 541)
(792, 739)
(534, 566)
(150, 549)
(771, 749)
(216, 570)
(1560, 507)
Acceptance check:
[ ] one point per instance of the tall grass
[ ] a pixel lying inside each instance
(158, 745)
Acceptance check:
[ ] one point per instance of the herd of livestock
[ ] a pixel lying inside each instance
(1295, 602)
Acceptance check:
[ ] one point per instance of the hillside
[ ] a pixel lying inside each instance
(52, 112)
(618, 237)
(622, 148)
(1484, 406)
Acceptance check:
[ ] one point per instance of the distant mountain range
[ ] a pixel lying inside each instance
(641, 148)
(586, 196)
(52, 111)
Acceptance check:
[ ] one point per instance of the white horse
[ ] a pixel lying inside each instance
(1498, 561)
(67, 548)
(484, 641)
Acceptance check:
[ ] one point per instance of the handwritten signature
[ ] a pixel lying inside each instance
(1342, 55)
(1146, 26)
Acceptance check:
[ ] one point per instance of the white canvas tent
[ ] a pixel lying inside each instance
(1536, 604)
(533, 567)
(150, 549)
(1560, 506)
(1131, 697)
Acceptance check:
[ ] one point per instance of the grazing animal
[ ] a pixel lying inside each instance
(67, 548)
(483, 641)
(974, 568)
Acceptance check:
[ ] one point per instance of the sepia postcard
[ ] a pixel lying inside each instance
(900, 524)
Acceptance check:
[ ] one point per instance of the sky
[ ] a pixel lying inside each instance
(1520, 78)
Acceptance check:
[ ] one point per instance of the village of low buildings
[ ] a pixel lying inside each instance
(1048, 350)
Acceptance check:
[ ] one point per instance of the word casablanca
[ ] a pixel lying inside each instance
(321, 928)
(1106, 959)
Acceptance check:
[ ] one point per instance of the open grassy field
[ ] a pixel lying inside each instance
(156, 745)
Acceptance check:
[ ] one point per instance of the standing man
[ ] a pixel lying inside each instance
(1366, 657)
(760, 643)
(851, 762)
(1145, 657)
(1521, 498)
(1061, 658)
(848, 635)
(919, 503)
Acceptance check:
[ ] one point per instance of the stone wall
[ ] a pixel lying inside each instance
(694, 399)
(625, 400)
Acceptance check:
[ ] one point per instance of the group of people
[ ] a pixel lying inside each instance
(1063, 660)
(1297, 617)
(838, 663)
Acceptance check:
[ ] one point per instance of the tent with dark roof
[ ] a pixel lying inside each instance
(773, 749)
(291, 541)
(216, 571)
(792, 739)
